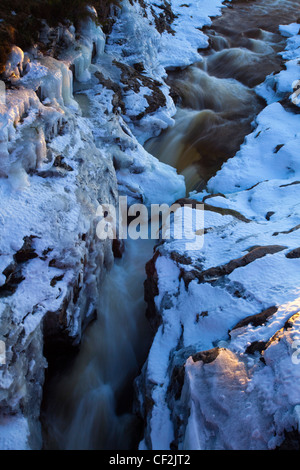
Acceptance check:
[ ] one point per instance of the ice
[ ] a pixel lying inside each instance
(289, 30)
(177, 49)
(134, 39)
(90, 47)
(286, 82)
(40, 123)
(93, 35)
(14, 433)
(57, 85)
(14, 67)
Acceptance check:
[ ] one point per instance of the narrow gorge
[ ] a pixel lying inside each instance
(150, 344)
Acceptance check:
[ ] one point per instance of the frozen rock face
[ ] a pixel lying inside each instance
(53, 178)
(152, 38)
(223, 371)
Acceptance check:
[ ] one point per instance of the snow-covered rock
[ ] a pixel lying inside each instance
(285, 85)
(53, 179)
(223, 370)
(160, 36)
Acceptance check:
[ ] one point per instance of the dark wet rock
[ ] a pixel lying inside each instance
(144, 403)
(155, 101)
(59, 163)
(206, 356)
(117, 101)
(45, 253)
(27, 251)
(289, 105)
(177, 381)
(47, 173)
(13, 272)
(291, 440)
(269, 215)
(293, 254)
(151, 291)
(175, 92)
(256, 346)
(289, 184)
(133, 79)
(139, 67)
(55, 263)
(214, 273)
(180, 259)
(76, 290)
(258, 319)
(55, 280)
(223, 211)
(14, 277)
(256, 184)
(207, 207)
(278, 147)
(164, 19)
(118, 248)
(286, 232)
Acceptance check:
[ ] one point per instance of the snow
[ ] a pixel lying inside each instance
(135, 39)
(140, 176)
(289, 30)
(236, 401)
(285, 83)
(14, 67)
(181, 50)
(14, 433)
(257, 161)
(167, 50)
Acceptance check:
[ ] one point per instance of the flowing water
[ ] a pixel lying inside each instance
(216, 98)
(89, 405)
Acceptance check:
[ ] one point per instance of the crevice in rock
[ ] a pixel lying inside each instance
(14, 272)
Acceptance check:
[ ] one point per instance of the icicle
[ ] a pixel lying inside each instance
(41, 148)
(14, 66)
